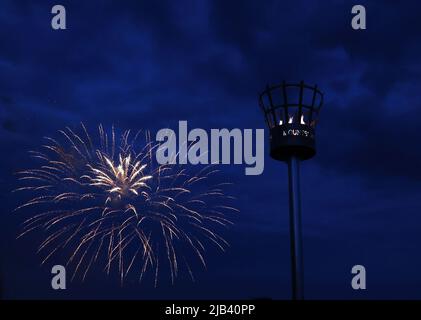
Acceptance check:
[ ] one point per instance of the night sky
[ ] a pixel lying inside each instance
(149, 64)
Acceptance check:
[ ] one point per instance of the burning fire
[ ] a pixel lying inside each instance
(291, 119)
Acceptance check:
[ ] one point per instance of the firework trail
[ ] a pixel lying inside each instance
(103, 201)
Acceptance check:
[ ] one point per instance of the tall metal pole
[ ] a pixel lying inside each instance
(297, 266)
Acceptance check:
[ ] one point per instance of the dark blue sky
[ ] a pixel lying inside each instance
(149, 64)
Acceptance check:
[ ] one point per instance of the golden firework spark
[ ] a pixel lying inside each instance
(105, 202)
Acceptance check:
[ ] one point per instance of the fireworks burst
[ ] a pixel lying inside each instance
(106, 203)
